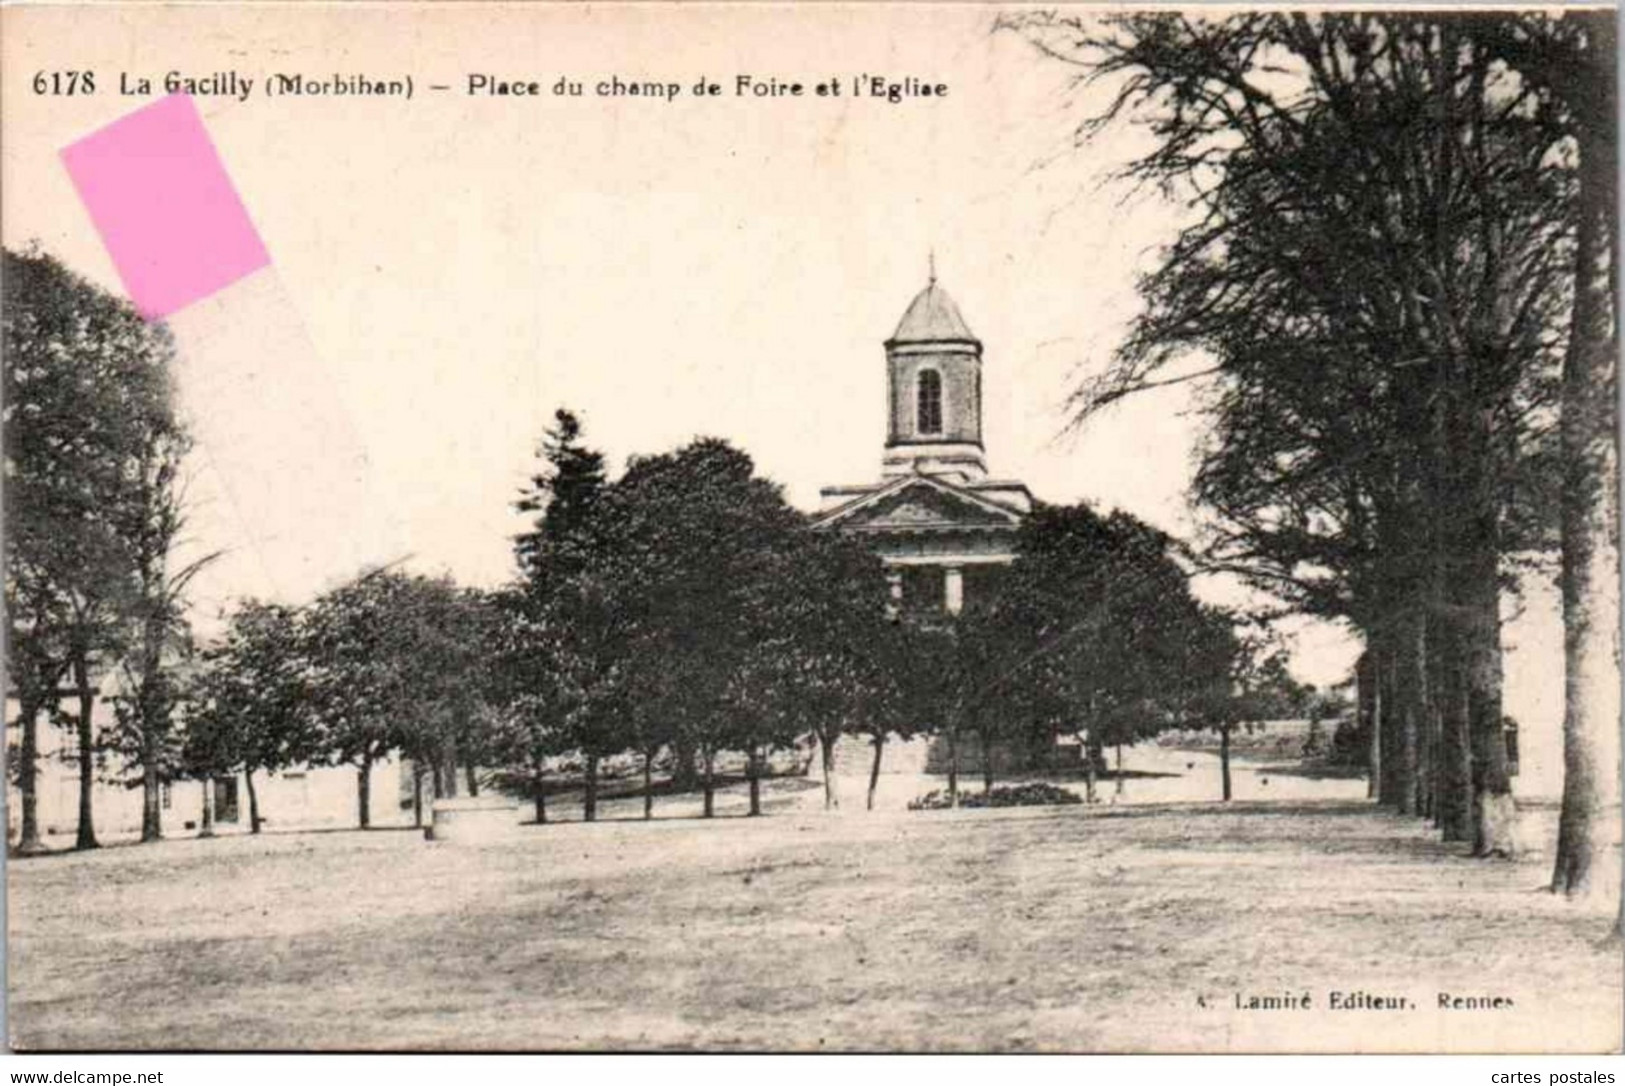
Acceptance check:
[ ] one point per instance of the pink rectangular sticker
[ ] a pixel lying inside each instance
(164, 206)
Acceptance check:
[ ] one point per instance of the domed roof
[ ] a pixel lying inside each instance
(932, 316)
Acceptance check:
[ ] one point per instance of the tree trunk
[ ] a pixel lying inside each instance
(953, 767)
(541, 799)
(363, 791)
(1589, 511)
(1455, 769)
(1370, 701)
(589, 796)
(648, 785)
(28, 840)
(1495, 813)
(984, 739)
(1411, 687)
(86, 837)
(1430, 736)
(149, 718)
(253, 801)
(472, 779)
(417, 794)
(1443, 758)
(708, 784)
(1443, 789)
(206, 818)
(826, 751)
(1117, 776)
(1388, 722)
(1430, 744)
(754, 767)
(152, 807)
(683, 776)
(1088, 773)
(1476, 800)
(874, 767)
(448, 771)
(1224, 758)
(1095, 754)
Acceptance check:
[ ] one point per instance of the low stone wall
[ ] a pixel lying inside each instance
(1006, 758)
(855, 755)
(473, 819)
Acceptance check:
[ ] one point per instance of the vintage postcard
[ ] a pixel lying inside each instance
(810, 528)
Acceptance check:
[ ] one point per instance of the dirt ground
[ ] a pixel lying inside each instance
(1135, 926)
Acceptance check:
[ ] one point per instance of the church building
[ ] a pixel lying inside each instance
(940, 524)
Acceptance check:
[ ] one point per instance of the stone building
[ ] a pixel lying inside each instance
(941, 525)
(302, 797)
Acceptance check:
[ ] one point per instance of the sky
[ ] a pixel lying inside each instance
(447, 271)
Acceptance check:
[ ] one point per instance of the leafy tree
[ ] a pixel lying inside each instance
(87, 394)
(1376, 261)
(248, 704)
(561, 498)
(889, 708)
(403, 662)
(811, 668)
(360, 641)
(565, 678)
(146, 710)
(1087, 634)
(524, 697)
(704, 537)
(158, 635)
(936, 688)
(1235, 676)
(978, 647)
(585, 646)
(522, 744)
(1590, 508)
(1570, 62)
(759, 716)
(690, 538)
(648, 732)
(449, 638)
(684, 606)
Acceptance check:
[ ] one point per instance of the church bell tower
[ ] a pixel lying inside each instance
(934, 369)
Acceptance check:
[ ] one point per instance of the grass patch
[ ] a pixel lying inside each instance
(1051, 928)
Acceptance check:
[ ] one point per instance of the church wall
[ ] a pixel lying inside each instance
(942, 549)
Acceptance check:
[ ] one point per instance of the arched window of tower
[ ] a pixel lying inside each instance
(930, 402)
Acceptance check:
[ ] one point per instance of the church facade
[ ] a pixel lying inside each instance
(942, 526)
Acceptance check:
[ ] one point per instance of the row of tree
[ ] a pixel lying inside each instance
(679, 612)
(1094, 632)
(682, 611)
(1398, 275)
(685, 611)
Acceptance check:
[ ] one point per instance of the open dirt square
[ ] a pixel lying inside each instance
(1127, 928)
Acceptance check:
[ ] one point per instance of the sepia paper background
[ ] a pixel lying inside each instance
(447, 270)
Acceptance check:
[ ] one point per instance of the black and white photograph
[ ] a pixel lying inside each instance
(811, 528)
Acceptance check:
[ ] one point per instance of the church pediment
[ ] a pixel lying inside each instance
(921, 504)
